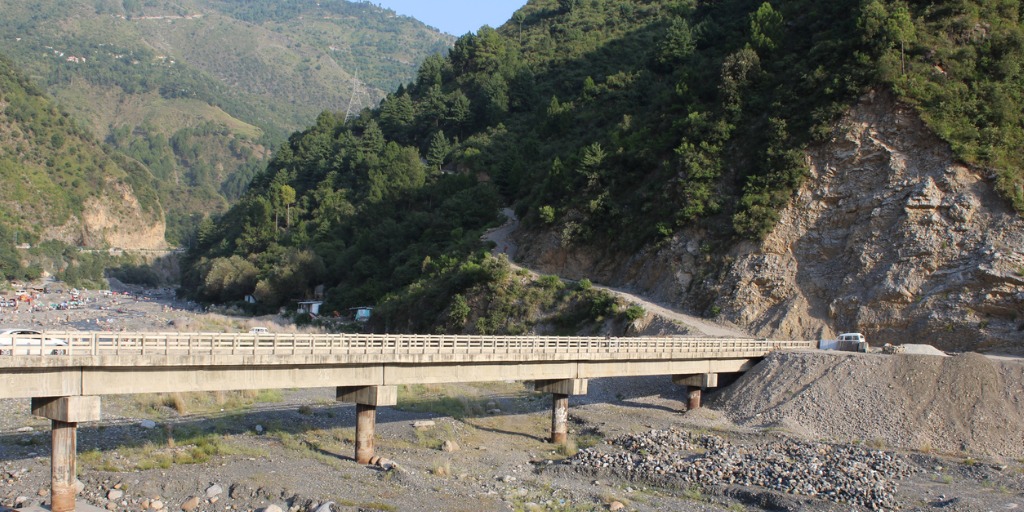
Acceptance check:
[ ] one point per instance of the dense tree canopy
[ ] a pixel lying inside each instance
(616, 123)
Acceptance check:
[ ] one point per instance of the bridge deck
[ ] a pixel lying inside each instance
(76, 363)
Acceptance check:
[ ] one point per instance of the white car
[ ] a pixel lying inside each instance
(29, 342)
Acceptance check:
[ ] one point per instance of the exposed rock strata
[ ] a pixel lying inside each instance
(890, 236)
(115, 219)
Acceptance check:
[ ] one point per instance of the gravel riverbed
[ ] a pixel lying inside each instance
(801, 431)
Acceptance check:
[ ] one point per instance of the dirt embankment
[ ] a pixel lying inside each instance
(966, 404)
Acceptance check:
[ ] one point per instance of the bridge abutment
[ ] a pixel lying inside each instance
(65, 413)
(560, 391)
(367, 399)
(695, 385)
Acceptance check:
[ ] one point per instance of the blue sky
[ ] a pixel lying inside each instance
(456, 17)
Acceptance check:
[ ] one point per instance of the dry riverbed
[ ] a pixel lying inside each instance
(485, 450)
(800, 432)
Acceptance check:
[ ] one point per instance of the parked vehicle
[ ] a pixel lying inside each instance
(847, 342)
(30, 342)
(259, 330)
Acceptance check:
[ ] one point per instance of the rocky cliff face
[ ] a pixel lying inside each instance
(115, 219)
(890, 236)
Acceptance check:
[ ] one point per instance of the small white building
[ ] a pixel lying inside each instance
(311, 306)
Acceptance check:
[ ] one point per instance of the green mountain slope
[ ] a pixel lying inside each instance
(59, 183)
(613, 124)
(245, 73)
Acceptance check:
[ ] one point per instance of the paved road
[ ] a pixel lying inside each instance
(502, 237)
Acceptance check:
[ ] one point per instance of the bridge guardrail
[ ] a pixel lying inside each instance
(173, 343)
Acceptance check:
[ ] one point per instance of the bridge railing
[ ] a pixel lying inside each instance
(174, 343)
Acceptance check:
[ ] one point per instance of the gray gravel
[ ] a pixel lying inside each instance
(843, 474)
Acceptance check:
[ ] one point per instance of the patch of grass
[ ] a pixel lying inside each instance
(568, 449)
(157, 406)
(325, 446)
(589, 440)
(442, 468)
(374, 505)
(434, 399)
(608, 499)
(176, 401)
(876, 443)
(433, 438)
(163, 450)
(693, 493)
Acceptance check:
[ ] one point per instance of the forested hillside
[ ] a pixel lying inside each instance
(612, 124)
(200, 91)
(60, 184)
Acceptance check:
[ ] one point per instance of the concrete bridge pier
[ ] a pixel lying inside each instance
(367, 398)
(560, 391)
(65, 413)
(695, 385)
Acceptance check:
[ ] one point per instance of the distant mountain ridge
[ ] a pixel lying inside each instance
(201, 91)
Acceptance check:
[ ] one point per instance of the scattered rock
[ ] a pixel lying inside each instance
(616, 505)
(326, 507)
(213, 491)
(272, 508)
(259, 429)
(843, 474)
(239, 491)
(156, 505)
(25, 429)
(423, 424)
(190, 504)
(450, 446)
(147, 424)
(115, 494)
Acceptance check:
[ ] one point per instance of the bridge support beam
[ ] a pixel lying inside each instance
(64, 414)
(367, 398)
(695, 385)
(560, 391)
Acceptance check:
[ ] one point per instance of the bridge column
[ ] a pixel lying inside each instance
(695, 384)
(367, 398)
(560, 391)
(64, 414)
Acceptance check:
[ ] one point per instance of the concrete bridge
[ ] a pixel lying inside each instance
(65, 373)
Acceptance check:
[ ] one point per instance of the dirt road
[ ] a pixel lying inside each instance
(502, 238)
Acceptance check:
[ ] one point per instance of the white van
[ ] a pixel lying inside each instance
(847, 341)
(259, 330)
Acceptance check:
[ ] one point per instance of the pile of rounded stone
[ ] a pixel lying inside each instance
(844, 474)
